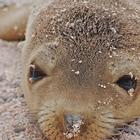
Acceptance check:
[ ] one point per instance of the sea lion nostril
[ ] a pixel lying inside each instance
(72, 125)
(70, 119)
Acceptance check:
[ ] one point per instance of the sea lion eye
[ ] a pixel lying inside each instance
(35, 73)
(128, 83)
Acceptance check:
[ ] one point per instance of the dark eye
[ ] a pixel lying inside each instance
(35, 73)
(127, 82)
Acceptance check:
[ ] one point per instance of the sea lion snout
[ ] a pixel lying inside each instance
(72, 124)
(70, 118)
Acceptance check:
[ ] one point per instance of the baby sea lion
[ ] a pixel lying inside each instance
(81, 67)
(13, 21)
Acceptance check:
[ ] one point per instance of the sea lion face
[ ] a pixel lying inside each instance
(82, 82)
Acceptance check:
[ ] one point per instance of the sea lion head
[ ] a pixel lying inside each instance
(82, 71)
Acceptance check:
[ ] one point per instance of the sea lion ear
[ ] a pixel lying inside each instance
(21, 45)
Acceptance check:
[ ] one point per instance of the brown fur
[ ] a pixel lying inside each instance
(84, 47)
(13, 21)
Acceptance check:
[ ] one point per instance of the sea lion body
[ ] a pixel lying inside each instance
(83, 48)
(13, 21)
(81, 68)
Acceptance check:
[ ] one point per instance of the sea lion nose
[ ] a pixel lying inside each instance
(73, 124)
(70, 119)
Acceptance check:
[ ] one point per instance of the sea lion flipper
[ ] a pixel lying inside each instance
(13, 20)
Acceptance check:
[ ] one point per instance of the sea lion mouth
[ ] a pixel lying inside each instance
(61, 125)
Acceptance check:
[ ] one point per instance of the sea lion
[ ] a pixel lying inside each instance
(81, 68)
(13, 21)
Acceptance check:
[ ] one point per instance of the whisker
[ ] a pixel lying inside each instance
(97, 136)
